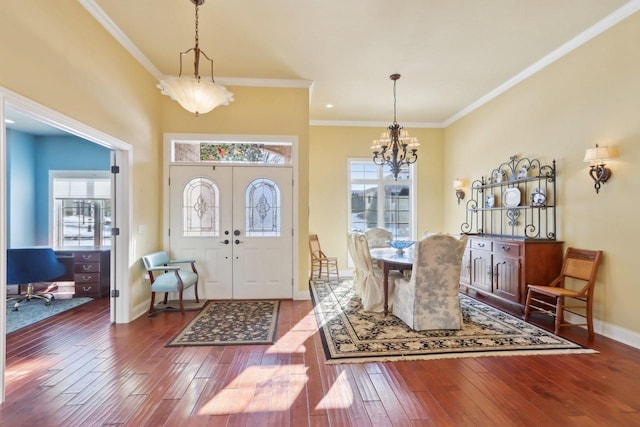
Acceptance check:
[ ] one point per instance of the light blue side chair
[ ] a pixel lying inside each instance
(167, 277)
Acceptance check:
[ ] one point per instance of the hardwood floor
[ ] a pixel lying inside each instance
(76, 369)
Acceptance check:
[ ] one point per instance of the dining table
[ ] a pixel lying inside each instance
(388, 259)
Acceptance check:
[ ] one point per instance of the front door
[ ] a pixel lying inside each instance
(236, 221)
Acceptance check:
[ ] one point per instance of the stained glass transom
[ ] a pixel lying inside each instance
(262, 208)
(200, 208)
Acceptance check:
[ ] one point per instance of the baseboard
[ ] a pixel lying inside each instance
(614, 332)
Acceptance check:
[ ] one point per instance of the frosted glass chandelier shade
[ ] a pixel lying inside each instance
(197, 96)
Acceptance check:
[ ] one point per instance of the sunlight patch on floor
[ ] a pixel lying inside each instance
(259, 380)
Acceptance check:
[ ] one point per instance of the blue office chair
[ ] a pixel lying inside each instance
(30, 265)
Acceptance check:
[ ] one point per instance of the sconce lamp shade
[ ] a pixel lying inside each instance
(596, 155)
(195, 95)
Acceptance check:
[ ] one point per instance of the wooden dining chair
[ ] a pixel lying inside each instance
(580, 265)
(320, 262)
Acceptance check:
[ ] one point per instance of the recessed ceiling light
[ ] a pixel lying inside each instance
(9, 121)
(329, 105)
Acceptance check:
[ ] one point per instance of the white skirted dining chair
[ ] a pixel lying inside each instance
(378, 237)
(372, 292)
(358, 274)
(430, 300)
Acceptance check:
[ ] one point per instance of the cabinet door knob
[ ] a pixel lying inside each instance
(506, 249)
(481, 245)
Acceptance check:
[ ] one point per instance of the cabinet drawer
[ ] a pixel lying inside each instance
(80, 257)
(481, 244)
(87, 267)
(509, 249)
(87, 289)
(87, 278)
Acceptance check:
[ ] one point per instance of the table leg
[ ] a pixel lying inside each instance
(385, 288)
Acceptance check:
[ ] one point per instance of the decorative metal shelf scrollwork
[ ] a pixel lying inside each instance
(533, 218)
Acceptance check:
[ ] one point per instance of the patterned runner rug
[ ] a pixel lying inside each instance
(231, 323)
(351, 335)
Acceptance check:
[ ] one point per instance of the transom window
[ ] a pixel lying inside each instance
(377, 200)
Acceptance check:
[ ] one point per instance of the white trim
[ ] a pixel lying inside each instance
(407, 125)
(608, 330)
(287, 83)
(591, 32)
(103, 19)
(3, 247)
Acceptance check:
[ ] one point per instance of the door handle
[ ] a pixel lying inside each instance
(237, 242)
(225, 241)
(236, 232)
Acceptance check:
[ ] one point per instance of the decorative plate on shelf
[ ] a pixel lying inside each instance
(538, 197)
(511, 197)
(490, 201)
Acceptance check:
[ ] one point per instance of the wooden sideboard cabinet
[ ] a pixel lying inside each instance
(89, 269)
(501, 268)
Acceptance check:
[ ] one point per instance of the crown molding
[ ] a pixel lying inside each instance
(425, 125)
(598, 28)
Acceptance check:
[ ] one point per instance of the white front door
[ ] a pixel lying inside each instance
(237, 223)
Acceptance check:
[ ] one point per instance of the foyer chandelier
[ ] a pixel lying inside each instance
(395, 147)
(196, 95)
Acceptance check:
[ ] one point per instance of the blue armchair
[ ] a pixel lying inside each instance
(30, 265)
(167, 277)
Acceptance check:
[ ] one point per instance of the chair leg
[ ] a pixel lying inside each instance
(166, 297)
(559, 314)
(153, 300)
(196, 290)
(181, 305)
(31, 295)
(590, 319)
(527, 306)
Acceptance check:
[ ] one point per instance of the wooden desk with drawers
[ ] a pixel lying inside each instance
(89, 267)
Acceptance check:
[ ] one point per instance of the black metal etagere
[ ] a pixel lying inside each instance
(517, 199)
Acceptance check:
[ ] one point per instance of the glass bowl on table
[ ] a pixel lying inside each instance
(400, 245)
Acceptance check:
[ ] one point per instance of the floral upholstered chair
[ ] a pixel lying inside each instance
(378, 237)
(429, 300)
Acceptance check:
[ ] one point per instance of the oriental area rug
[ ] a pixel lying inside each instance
(351, 335)
(231, 323)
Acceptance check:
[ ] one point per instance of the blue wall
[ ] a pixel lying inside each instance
(21, 189)
(47, 153)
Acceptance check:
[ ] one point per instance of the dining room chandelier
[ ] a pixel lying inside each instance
(395, 147)
(196, 95)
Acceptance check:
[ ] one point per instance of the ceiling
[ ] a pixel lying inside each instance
(453, 55)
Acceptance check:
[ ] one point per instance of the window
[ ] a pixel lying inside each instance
(377, 200)
(200, 208)
(262, 202)
(81, 208)
(276, 153)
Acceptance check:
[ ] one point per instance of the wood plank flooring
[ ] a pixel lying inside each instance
(76, 369)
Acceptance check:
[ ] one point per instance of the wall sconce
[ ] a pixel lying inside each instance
(598, 171)
(458, 185)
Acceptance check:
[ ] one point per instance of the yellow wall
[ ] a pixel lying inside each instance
(258, 111)
(591, 96)
(331, 147)
(56, 54)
